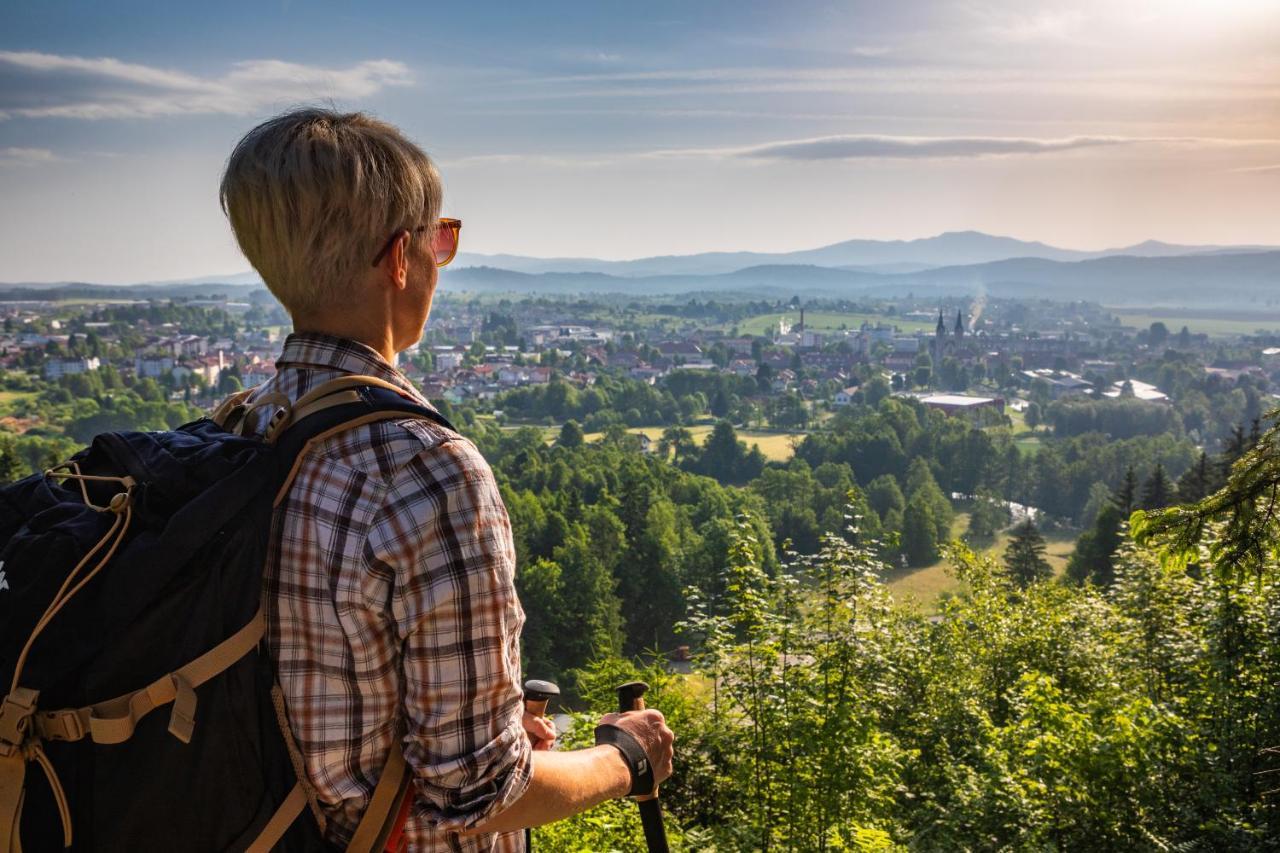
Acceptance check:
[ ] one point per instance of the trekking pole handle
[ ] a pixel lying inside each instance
(537, 695)
(631, 698)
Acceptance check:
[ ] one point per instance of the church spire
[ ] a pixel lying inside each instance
(959, 325)
(942, 326)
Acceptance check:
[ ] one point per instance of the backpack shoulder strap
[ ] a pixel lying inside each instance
(334, 407)
(327, 410)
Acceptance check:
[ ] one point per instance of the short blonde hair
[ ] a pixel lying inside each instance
(313, 194)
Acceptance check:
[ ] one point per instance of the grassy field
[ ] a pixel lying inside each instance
(825, 321)
(1028, 441)
(1216, 324)
(9, 398)
(776, 447)
(927, 583)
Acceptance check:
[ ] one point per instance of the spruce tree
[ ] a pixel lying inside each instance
(1197, 482)
(1126, 498)
(1024, 558)
(1156, 492)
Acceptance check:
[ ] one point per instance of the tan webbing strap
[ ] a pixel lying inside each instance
(113, 721)
(384, 806)
(297, 413)
(280, 821)
(335, 392)
(343, 383)
(295, 755)
(221, 415)
(324, 436)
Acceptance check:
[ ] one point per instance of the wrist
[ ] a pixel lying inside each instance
(614, 766)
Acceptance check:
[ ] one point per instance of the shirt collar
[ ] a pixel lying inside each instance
(317, 350)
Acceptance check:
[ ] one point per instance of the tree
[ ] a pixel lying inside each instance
(919, 532)
(1157, 335)
(1033, 415)
(988, 516)
(1157, 492)
(877, 389)
(571, 435)
(11, 467)
(1094, 557)
(1126, 497)
(885, 495)
(1024, 558)
(1198, 481)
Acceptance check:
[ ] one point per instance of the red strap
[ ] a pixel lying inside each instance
(396, 839)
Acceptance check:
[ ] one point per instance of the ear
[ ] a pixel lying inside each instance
(396, 263)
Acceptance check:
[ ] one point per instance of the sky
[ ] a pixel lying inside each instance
(623, 130)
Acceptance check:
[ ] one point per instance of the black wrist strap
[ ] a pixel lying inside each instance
(637, 759)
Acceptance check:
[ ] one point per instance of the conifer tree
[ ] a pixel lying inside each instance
(1024, 558)
(1197, 482)
(1156, 492)
(1126, 498)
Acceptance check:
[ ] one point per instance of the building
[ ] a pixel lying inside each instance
(963, 404)
(152, 366)
(947, 345)
(1141, 391)
(1061, 383)
(56, 368)
(844, 396)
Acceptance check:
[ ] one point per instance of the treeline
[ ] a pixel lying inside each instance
(679, 398)
(608, 539)
(1201, 405)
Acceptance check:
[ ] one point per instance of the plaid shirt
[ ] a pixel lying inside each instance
(390, 589)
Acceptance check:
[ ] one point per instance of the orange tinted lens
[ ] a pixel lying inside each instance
(444, 243)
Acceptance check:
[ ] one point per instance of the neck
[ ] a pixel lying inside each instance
(374, 335)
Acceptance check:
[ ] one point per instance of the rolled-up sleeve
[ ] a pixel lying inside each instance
(444, 533)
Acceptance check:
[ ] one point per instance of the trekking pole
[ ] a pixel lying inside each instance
(631, 698)
(536, 696)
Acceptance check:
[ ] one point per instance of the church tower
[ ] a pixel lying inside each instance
(959, 326)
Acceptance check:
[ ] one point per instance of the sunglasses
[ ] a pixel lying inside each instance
(444, 240)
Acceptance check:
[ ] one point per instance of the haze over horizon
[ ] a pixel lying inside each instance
(572, 130)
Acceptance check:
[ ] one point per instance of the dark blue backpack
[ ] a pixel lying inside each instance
(140, 712)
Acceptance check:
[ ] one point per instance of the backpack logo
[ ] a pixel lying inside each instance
(4, 582)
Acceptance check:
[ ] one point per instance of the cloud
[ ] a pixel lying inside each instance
(1255, 169)
(43, 85)
(25, 156)
(859, 147)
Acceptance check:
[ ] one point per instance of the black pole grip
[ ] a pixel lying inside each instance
(631, 696)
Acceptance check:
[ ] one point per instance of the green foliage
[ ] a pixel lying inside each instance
(1024, 558)
(823, 716)
(987, 516)
(11, 467)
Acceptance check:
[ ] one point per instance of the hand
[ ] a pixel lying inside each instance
(649, 727)
(541, 731)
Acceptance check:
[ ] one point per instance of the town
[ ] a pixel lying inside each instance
(780, 366)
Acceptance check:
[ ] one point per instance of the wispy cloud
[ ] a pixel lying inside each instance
(876, 147)
(1248, 169)
(25, 156)
(43, 85)
(858, 147)
(1109, 84)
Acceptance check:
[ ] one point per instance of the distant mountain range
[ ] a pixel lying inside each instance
(1204, 280)
(1149, 273)
(953, 248)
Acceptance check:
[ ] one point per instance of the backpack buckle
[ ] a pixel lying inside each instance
(15, 719)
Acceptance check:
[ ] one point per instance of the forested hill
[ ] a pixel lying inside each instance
(1217, 280)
